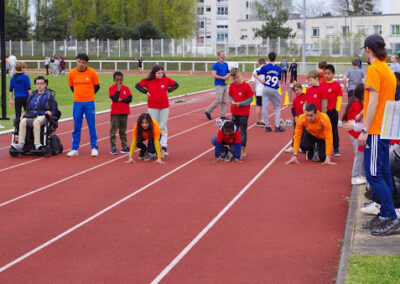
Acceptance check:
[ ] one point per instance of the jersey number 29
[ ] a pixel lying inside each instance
(271, 80)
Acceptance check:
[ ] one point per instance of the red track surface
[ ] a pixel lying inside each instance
(286, 228)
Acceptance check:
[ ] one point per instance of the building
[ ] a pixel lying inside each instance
(218, 22)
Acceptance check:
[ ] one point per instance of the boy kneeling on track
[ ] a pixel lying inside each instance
(148, 129)
(228, 143)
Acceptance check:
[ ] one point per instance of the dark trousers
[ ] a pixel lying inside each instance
(149, 148)
(334, 117)
(241, 122)
(118, 121)
(293, 76)
(284, 75)
(350, 93)
(47, 69)
(308, 142)
(225, 147)
(19, 104)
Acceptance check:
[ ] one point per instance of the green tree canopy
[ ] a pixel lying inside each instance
(52, 21)
(17, 26)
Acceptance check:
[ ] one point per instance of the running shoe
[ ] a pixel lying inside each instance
(114, 151)
(336, 154)
(18, 147)
(280, 129)
(229, 157)
(94, 153)
(358, 180)
(373, 223)
(73, 153)
(289, 150)
(387, 227)
(371, 208)
(124, 150)
(164, 151)
(141, 155)
(149, 157)
(268, 128)
(208, 115)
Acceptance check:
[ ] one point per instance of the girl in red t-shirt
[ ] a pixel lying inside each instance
(157, 86)
(353, 108)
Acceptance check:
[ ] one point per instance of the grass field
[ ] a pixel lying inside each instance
(374, 269)
(187, 84)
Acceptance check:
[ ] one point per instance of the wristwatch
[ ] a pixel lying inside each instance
(364, 131)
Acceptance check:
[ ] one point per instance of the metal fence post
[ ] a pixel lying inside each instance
(162, 47)
(352, 45)
(173, 47)
(97, 48)
(108, 47)
(69, 65)
(43, 50)
(119, 48)
(87, 47)
(21, 47)
(127, 65)
(279, 45)
(247, 50)
(151, 47)
(10, 45)
(140, 48)
(32, 44)
(130, 47)
(183, 47)
(256, 50)
(267, 45)
(179, 66)
(100, 66)
(116, 65)
(236, 50)
(65, 47)
(54, 46)
(330, 46)
(76, 47)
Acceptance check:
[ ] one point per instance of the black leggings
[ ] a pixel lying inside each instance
(19, 104)
(308, 144)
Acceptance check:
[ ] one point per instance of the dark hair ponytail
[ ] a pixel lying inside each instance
(357, 94)
(139, 129)
(379, 50)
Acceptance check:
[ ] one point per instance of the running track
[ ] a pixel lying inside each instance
(92, 220)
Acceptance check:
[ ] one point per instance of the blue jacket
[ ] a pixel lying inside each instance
(20, 84)
(38, 104)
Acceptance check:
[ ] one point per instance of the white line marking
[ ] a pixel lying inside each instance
(99, 213)
(86, 144)
(215, 220)
(89, 170)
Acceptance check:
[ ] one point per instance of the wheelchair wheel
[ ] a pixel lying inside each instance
(61, 149)
(55, 144)
(47, 151)
(13, 153)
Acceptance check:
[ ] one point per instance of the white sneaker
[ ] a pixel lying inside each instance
(38, 146)
(358, 180)
(73, 153)
(95, 153)
(289, 150)
(373, 208)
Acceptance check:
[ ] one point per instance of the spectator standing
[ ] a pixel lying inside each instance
(380, 86)
(84, 83)
(395, 66)
(284, 67)
(220, 74)
(20, 84)
(12, 61)
(352, 77)
(46, 64)
(293, 71)
(258, 90)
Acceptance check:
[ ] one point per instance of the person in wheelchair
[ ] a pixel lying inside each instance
(41, 103)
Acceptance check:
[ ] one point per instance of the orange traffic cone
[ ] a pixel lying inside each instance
(287, 100)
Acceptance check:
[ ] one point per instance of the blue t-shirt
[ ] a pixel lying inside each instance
(284, 65)
(20, 84)
(272, 73)
(222, 69)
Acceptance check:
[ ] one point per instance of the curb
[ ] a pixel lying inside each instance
(348, 237)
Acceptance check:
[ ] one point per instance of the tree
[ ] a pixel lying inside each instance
(276, 16)
(17, 26)
(355, 7)
(52, 21)
(316, 8)
(266, 8)
(147, 30)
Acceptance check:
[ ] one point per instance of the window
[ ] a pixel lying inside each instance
(361, 29)
(247, 4)
(200, 11)
(222, 11)
(200, 1)
(378, 30)
(201, 25)
(329, 31)
(345, 30)
(222, 26)
(222, 37)
(208, 9)
(243, 34)
(395, 29)
(315, 32)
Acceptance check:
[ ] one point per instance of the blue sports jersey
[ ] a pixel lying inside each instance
(272, 73)
(222, 70)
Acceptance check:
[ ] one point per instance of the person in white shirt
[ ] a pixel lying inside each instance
(12, 60)
(258, 89)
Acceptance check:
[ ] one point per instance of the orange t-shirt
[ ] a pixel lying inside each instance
(320, 128)
(321, 76)
(381, 79)
(83, 83)
(156, 132)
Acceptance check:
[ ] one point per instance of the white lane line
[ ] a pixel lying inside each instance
(176, 260)
(88, 170)
(86, 144)
(42, 246)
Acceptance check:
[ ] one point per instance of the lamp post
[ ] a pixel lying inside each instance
(303, 58)
(3, 59)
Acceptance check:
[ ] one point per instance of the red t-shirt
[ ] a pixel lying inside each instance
(355, 109)
(240, 93)
(298, 103)
(314, 96)
(120, 107)
(235, 138)
(332, 90)
(158, 90)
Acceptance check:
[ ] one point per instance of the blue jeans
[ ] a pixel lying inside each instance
(89, 109)
(377, 171)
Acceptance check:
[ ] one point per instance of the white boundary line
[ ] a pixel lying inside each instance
(176, 260)
(131, 106)
(86, 144)
(88, 170)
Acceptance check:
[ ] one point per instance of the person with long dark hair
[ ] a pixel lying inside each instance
(146, 129)
(380, 87)
(157, 86)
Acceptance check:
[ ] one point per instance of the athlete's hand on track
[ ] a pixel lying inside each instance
(217, 160)
(238, 161)
(292, 160)
(159, 161)
(328, 161)
(130, 161)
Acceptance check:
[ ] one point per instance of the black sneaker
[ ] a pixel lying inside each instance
(262, 124)
(268, 128)
(208, 115)
(258, 123)
(164, 151)
(124, 150)
(114, 151)
(223, 118)
(141, 154)
(229, 157)
(387, 227)
(375, 222)
(279, 129)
